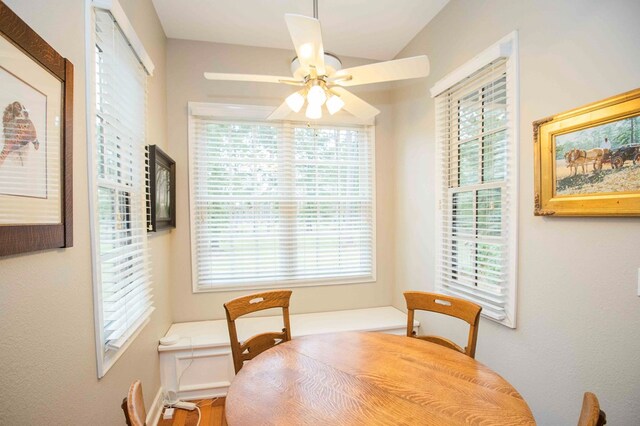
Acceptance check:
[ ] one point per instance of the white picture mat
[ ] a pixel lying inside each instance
(163, 193)
(40, 205)
(24, 171)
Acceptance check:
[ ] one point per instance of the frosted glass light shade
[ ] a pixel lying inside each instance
(316, 96)
(314, 112)
(334, 104)
(295, 101)
(306, 50)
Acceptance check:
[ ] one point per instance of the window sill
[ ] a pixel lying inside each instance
(111, 356)
(283, 284)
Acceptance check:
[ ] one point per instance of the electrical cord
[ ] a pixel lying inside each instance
(199, 415)
(198, 406)
(190, 361)
(168, 403)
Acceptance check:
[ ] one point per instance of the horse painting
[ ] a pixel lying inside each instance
(582, 158)
(19, 131)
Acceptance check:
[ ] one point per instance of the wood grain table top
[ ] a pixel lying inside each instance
(370, 379)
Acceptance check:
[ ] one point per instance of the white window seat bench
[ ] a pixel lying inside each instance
(199, 365)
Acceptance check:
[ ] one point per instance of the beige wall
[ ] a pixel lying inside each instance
(47, 350)
(186, 61)
(578, 312)
(578, 308)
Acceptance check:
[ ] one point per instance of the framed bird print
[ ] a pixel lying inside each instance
(35, 141)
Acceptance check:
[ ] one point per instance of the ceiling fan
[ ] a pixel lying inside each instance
(320, 76)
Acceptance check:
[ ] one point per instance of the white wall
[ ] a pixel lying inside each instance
(47, 348)
(578, 309)
(186, 63)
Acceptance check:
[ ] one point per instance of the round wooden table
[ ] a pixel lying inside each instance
(370, 379)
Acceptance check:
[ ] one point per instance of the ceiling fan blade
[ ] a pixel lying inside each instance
(399, 69)
(355, 105)
(280, 113)
(306, 35)
(246, 77)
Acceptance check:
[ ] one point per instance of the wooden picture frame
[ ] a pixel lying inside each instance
(587, 160)
(30, 64)
(162, 190)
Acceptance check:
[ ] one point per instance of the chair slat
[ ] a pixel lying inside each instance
(259, 343)
(257, 302)
(442, 342)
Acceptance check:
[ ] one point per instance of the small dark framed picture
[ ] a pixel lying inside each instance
(162, 190)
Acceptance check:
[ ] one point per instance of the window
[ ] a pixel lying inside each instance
(280, 203)
(117, 89)
(478, 178)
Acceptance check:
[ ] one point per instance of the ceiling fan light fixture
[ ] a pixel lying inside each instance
(295, 101)
(314, 112)
(316, 95)
(320, 75)
(334, 104)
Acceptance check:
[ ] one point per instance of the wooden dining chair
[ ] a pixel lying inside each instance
(452, 306)
(259, 343)
(591, 414)
(133, 406)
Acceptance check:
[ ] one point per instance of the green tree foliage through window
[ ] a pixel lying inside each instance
(281, 202)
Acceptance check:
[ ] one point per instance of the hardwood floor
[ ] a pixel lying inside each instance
(212, 415)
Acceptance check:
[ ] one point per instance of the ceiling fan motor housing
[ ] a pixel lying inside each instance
(331, 64)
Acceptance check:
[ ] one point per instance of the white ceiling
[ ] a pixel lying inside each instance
(374, 29)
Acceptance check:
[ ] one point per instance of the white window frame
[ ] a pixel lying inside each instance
(260, 113)
(105, 360)
(506, 48)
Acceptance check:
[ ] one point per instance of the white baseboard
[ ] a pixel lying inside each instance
(154, 412)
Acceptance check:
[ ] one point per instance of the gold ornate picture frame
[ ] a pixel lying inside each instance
(587, 160)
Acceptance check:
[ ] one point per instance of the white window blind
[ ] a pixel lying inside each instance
(124, 298)
(476, 144)
(280, 204)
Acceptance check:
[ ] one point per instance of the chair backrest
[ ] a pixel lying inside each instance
(452, 306)
(591, 414)
(259, 343)
(133, 406)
